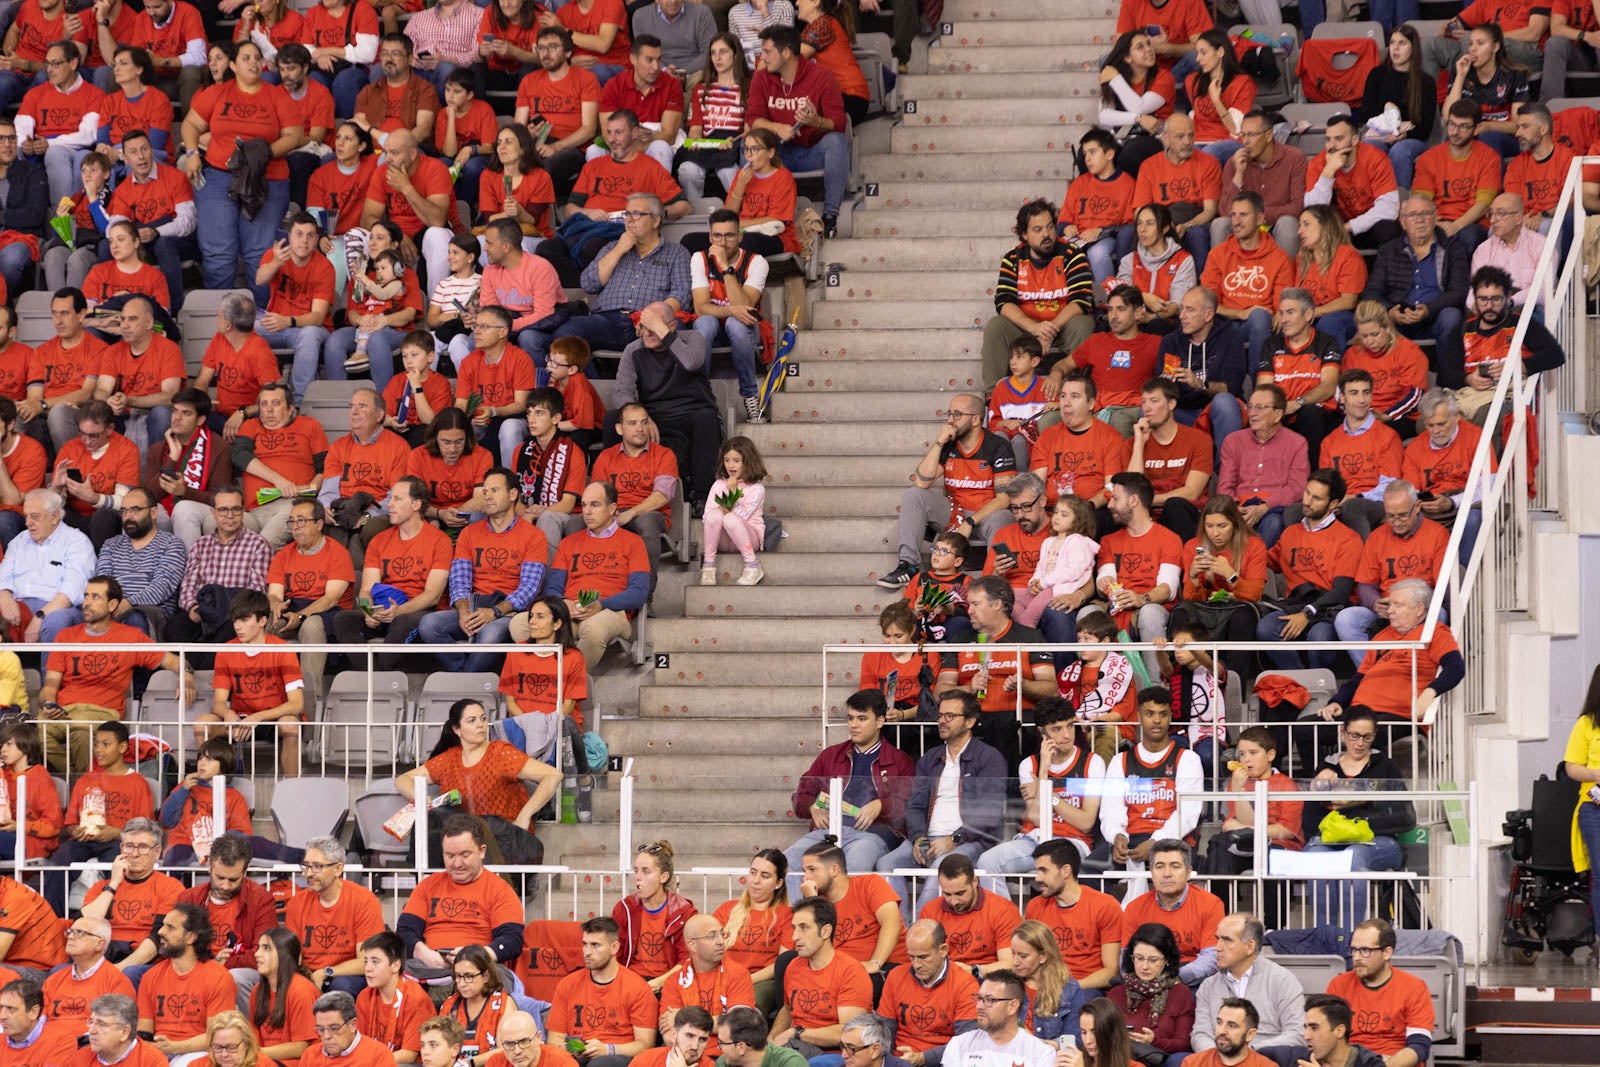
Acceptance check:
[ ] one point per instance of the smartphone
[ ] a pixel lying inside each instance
(1153, 30)
(425, 54)
(169, 472)
(1002, 549)
(1425, 495)
(74, 474)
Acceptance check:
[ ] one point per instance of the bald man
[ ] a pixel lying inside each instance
(1512, 245)
(69, 991)
(707, 978)
(929, 1002)
(517, 1044)
(1188, 182)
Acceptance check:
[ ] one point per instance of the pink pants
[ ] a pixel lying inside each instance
(1030, 606)
(726, 530)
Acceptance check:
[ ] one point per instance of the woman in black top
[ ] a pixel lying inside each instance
(1402, 81)
(1486, 76)
(1358, 767)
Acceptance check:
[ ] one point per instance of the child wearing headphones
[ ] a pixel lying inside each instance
(377, 293)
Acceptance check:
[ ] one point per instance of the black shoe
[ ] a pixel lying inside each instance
(830, 226)
(898, 578)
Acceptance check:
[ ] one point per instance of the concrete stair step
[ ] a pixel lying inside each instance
(837, 376)
(838, 439)
(823, 501)
(901, 314)
(982, 223)
(865, 533)
(696, 669)
(1013, 32)
(1029, 136)
(807, 568)
(1016, 60)
(924, 255)
(731, 736)
(868, 284)
(749, 635)
(786, 702)
(864, 406)
(1023, 165)
(887, 346)
(1043, 10)
(796, 472)
(816, 601)
(1044, 95)
(725, 701)
(763, 806)
(960, 192)
(948, 114)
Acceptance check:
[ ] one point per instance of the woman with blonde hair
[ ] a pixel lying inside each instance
(1399, 369)
(650, 919)
(230, 1042)
(1054, 997)
(756, 923)
(1331, 270)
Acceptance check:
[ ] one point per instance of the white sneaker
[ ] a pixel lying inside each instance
(751, 575)
(708, 575)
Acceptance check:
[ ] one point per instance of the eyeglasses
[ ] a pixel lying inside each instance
(954, 414)
(1357, 951)
(851, 1050)
(944, 550)
(490, 326)
(8, 138)
(652, 848)
(473, 976)
(1019, 506)
(635, 216)
(229, 1050)
(133, 510)
(316, 868)
(329, 1031)
(137, 849)
(297, 523)
(228, 510)
(518, 1044)
(56, 62)
(75, 932)
(1360, 737)
(988, 1002)
(553, 363)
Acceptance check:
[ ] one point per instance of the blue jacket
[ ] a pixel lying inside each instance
(1065, 1020)
(983, 793)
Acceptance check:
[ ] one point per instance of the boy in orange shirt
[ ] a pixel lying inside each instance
(1097, 210)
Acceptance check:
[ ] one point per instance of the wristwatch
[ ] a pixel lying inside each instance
(327, 976)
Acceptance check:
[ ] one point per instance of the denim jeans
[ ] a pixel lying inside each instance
(14, 259)
(1392, 13)
(381, 348)
(170, 252)
(1344, 901)
(444, 627)
(831, 155)
(1403, 155)
(307, 342)
(1221, 151)
(901, 857)
(1271, 626)
(61, 169)
(226, 235)
(1106, 252)
(1197, 242)
(742, 340)
(1589, 828)
(14, 85)
(1339, 325)
(1354, 623)
(1439, 328)
(345, 87)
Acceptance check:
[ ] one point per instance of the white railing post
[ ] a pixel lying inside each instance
(836, 809)
(419, 829)
(19, 857)
(625, 818)
(219, 804)
(1047, 796)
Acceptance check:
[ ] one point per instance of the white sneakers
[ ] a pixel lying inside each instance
(751, 575)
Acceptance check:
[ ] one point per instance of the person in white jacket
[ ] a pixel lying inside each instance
(1135, 95)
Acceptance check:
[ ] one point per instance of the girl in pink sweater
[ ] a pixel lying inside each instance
(1066, 559)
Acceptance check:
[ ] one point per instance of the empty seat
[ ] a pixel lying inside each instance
(347, 736)
(373, 809)
(33, 317)
(303, 808)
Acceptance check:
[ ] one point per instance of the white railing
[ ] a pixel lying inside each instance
(1497, 577)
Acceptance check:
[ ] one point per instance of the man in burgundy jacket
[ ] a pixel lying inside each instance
(877, 781)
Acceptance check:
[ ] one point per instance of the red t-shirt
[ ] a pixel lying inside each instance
(332, 935)
(153, 202)
(106, 280)
(650, 104)
(100, 678)
(814, 997)
(1193, 922)
(600, 563)
(605, 185)
(142, 375)
(341, 195)
(635, 476)
(257, 677)
(294, 287)
(601, 12)
(325, 30)
(606, 1012)
(290, 450)
(1093, 203)
(63, 370)
(306, 577)
(450, 486)
(180, 1004)
(1383, 1017)
(54, 112)
(477, 127)
(239, 373)
(1119, 367)
(407, 564)
(530, 679)
(559, 102)
(151, 110)
(496, 383)
(430, 178)
(117, 465)
(234, 115)
(534, 193)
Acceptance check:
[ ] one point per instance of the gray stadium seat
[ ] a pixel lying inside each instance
(343, 736)
(1338, 31)
(329, 404)
(197, 321)
(303, 808)
(33, 317)
(440, 690)
(1287, 89)
(373, 809)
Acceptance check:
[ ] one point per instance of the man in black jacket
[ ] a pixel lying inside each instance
(666, 371)
(1432, 306)
(26, 211)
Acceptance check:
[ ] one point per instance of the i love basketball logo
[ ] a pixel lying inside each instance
(1368, 1021)
(1132, 562)
(534, 685)
(128, 910)
(95, 663)
(63, 374)
(1411, 563)
(922, 1016)
(58, 119)
(177, 1005)
(805, 1001)
(326, 935)
(304, 583)
(400, 567)
(960, 943)
(272, 441)
(652, 945)
(591, 561)
(496, 558)
(549, 960)
(454, 907)
(246, 111)
(1179, 190)
(615, 185)
(253, 682)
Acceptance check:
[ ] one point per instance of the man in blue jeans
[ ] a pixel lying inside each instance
(726, 282)
(300, 281)
(801, 103)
